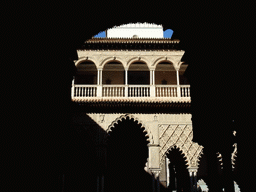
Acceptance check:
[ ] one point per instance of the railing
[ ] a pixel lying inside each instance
(139, 91)
(166, 91)
(113, 90)
(185, 90)
(130, 91)
(85, 91)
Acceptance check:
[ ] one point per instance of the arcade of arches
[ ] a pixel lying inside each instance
(138, 72)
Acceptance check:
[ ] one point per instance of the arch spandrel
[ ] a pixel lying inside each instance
(109, 59)
(164, 59)
(123, 117)
(139, 59)
(173, 59)
(86, 59)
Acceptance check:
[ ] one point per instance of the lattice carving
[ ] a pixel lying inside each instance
(181, 137)
(146, 129)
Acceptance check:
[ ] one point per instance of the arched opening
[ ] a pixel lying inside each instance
(202, 172)
(165, 74)
(182, 75)
(178, 174)
(138, 73)
(113, 73)
(127, 153)
(86, 73)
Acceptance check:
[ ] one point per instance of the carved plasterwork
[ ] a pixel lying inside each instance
(149, 135)
(179, 135)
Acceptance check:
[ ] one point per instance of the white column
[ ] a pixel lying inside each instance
(126, 83)
(167, 172)
(152, 83)
(99, 83)
(73, 88)
(178, 78)
(126, 76)
(153, 77)
(98, 77)
(178, 83)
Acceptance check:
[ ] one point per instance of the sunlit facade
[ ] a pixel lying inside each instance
(136, 75)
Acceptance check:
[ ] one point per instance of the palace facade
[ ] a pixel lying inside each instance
(134, 78)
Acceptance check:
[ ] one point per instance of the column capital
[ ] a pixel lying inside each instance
(155, 172)
(193, 170)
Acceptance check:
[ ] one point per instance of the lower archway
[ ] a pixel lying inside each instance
(179, 179)
(127, 153)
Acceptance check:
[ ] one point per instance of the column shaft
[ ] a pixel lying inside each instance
(99, 83)
(126, 77)
(178, 83)
(153, 75)
(126, 83)
(73, 88)
(195, 181)
(191, 180)
(178, 78)
(152, 83)
(98, 77)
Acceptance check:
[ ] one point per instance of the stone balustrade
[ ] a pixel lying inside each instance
(178, 91)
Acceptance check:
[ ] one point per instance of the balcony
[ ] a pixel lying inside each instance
(137, 82)
(180, 92)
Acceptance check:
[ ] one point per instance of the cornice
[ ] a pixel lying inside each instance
(132, 40)
(132, 100)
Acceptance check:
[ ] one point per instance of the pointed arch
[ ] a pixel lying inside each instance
(186, 159)
(180, 136)
(123, 117)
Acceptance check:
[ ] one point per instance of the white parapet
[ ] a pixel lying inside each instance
(137, 30)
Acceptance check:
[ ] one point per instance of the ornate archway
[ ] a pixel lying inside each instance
(127, 153)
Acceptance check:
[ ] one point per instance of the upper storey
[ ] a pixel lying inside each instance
(133, 63)
(136, 30)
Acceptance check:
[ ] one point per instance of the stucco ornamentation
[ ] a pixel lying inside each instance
(181, 137)
(130, 116)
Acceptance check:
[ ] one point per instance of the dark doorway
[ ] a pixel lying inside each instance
(126, 157)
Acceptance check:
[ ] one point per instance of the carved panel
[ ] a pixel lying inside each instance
(181, 137)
